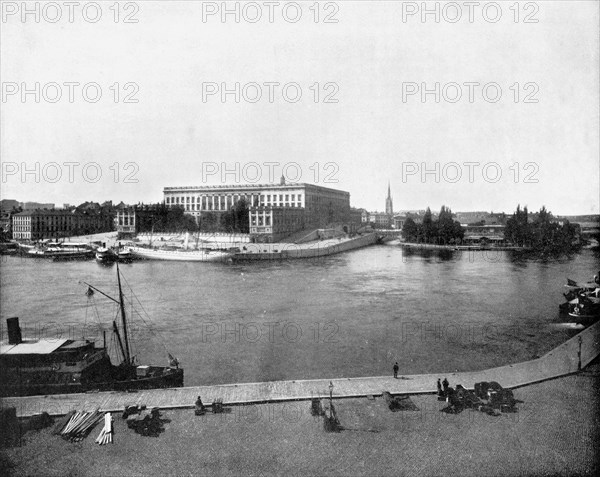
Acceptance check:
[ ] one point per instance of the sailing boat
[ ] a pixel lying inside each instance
(57, 366)
(184, 254)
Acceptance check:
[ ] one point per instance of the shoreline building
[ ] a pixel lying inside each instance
(43, 224)
(10, 207)
(125, 221)
(275, 210)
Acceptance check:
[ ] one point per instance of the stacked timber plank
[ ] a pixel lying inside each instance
(78, 425)
(105, 436)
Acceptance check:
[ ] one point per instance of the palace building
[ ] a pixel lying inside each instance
(276, 210)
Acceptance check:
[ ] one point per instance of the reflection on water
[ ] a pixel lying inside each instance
(352, 314)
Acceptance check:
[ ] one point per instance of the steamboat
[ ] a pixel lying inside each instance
(58, 366)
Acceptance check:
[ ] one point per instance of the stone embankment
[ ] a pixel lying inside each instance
(567, 358)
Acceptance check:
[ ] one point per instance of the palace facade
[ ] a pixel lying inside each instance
(276, 210)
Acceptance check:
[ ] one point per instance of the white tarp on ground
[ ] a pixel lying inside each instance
(32, 347)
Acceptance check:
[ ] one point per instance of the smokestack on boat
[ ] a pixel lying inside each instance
(14, 331)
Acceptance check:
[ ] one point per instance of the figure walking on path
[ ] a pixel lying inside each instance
(439, 387)
(396, 368)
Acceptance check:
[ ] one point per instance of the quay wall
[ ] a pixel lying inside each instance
(565, 359)
(278, 251)
(431, 246)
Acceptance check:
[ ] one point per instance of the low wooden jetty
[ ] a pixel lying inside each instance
(569, 357)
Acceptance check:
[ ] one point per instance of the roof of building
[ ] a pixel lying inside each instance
(379, 213)
(32, 347)
(78, 213)
(257, 187)
(45, 212)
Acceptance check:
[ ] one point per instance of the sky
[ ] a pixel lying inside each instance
(328, 93)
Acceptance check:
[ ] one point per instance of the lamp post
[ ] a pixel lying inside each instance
(331, 422)
(579, 355)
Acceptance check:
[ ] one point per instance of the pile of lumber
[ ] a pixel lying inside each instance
(105, 436)
(77, 424)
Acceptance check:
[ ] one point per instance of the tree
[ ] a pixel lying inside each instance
(458, 232)
(161, 218)
(444, 230)
(209, 222)
(428, 230)
(517, 229)
(410, 230)
(241, 215)
(445, 226)
(544, 234)
(227, 221)
(235, 220)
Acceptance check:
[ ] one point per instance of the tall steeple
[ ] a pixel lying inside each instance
(389, 206)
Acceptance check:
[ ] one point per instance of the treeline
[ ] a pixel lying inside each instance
(542, 234)
(235, 220)
(162, 218)
(443, 230)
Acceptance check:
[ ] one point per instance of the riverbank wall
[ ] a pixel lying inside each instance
(568, 358)
(431, 246)
(321, 248)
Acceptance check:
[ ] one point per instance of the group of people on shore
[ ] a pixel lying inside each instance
(442, 387)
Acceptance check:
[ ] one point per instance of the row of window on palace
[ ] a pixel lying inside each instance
(260, 222)
(50, 226)
(221, 202)
(266, 221)
(55, 220)
(126, 220)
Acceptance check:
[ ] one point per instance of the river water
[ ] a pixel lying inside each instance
(348, 315)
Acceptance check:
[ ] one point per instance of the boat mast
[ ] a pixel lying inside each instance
(124, 319)
(115, 328)
(116, 331)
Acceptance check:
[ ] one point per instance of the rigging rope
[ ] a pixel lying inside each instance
(113, 345)
(146, 313)
(91, 302)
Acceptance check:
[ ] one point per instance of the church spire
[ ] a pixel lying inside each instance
(389, 206)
